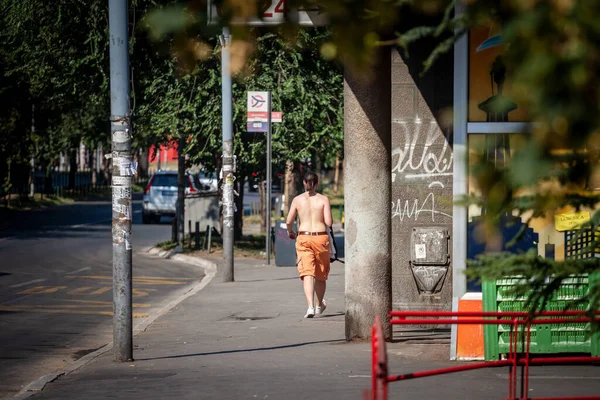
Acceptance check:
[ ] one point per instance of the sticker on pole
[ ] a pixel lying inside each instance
(258, 107)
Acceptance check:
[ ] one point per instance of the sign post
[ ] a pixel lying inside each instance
(259, 119)
(269, 178)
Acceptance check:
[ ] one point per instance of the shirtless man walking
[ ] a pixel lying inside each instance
(312, 244)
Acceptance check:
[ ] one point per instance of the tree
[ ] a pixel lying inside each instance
(54, 58)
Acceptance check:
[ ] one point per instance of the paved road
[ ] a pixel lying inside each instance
(56, 286)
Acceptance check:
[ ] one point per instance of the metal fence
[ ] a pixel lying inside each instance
(60, 183)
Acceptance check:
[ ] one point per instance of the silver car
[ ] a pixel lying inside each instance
(160, 196)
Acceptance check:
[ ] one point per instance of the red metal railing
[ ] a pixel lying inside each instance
(380, 377)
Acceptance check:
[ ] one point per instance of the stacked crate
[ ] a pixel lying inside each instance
(548, 338)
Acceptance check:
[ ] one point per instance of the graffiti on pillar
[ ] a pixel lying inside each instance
(426, 162)
(423, 156)
(422, 167)
(412, 209)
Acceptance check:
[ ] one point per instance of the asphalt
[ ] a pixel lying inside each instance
(248, 340)
(56, 286)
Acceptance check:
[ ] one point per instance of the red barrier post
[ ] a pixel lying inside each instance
(381, 378)
(374, 362)
(379, 357)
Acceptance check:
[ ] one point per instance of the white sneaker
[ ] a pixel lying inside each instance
(319, 310)
(310, 312)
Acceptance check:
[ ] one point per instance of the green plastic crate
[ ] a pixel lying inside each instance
(547, 338)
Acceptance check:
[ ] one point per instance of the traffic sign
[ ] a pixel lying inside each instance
(257, 101)
(257, 126)
(275, 14)
(258, 107)
(276, 116)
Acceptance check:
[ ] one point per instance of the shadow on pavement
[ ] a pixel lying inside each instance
(56, 233)
(243, 350)
(269, 280)
(337, 314)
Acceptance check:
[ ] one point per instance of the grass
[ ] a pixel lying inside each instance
(253, 219)
(246, 246)
(335, 199)
(37, 202)
(337, 203)
(168, 245)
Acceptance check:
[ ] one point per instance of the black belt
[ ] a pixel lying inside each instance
(312, 233)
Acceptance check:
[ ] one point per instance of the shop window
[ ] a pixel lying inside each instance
(496, 150)
(557, 235)
(490, 97)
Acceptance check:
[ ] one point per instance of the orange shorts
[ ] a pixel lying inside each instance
(313, 256)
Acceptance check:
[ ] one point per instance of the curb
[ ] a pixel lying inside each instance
(210, 271)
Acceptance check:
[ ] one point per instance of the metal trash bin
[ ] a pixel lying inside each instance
(285, 248)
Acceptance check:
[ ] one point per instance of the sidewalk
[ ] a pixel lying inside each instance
(248, 340)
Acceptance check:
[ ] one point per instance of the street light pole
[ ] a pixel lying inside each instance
(228, 164)
(121, 180)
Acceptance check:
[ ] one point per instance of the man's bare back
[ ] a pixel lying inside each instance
(312, 250)
(313, 210)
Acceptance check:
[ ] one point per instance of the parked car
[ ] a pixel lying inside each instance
(160, 196)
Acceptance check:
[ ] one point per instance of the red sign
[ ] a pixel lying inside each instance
(258, 116)
(276, 116)
(262, 116)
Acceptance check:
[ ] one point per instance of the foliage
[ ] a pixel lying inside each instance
(305, 88)
(554, 64)
(167, 245)
(53, 57)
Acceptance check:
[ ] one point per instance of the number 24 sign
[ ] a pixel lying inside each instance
(273, 14)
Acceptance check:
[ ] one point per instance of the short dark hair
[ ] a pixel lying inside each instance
(311, 179)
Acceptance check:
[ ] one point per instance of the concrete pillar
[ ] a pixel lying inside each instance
(367, 201)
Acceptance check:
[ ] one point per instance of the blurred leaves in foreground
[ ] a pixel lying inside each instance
(554, 64)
